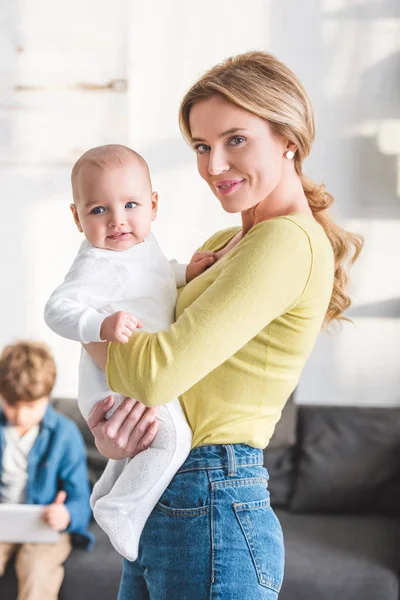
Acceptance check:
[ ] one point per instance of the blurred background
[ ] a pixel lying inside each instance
(82, 73)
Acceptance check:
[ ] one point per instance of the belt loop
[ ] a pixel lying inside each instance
(231, 460)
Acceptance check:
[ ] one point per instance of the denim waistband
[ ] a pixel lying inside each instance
(217, 456)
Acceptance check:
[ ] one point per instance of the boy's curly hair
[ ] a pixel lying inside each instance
(27, 372)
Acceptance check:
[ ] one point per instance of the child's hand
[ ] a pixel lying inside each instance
(118, 327)
(56, 514)
(199, 262)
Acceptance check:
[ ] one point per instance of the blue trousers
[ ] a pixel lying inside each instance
(213, 535)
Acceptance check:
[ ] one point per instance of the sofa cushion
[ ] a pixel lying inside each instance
(92, 575)
(285, 434)
(340, 556)
(279, 456)
(348, 460)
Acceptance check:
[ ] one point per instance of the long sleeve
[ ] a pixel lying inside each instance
(263, 277)
(72, 309)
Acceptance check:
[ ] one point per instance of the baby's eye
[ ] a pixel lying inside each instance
(97, 210)
(236, 140)
(202, 148)
(131, 204)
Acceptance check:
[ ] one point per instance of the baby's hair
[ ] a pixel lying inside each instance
(105, 157)
(27, 372)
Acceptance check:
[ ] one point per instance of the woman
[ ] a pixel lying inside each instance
(244, 330)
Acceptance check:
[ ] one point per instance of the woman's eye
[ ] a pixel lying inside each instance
(236, 140)
(130, 205)
(201, 148)
(97, 210)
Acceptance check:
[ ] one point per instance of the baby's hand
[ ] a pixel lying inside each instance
(199, 262)
(118, 327)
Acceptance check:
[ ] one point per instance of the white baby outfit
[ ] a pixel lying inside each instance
(142, 282)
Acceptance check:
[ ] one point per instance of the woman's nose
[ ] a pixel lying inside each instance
(217, 163)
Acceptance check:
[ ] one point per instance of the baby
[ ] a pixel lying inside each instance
(119, 270)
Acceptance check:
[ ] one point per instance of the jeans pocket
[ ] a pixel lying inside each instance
(186, 496)
(264, 538)
(182, 512)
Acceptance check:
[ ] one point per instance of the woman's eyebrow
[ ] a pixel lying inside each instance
(227, 132)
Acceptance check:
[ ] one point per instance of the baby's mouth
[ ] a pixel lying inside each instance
(120, 235)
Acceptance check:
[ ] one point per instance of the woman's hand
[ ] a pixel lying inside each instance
(98, 351)
(130, 430)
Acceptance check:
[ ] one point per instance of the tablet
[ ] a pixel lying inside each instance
(22, 523)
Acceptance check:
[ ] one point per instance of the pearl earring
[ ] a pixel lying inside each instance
(289, 154)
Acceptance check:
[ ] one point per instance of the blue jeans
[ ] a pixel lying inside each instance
(213, 535)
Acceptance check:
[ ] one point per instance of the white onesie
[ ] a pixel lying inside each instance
(140, 281)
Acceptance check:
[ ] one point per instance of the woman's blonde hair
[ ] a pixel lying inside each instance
(261, 84)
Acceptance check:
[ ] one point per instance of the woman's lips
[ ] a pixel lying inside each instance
(229, 186)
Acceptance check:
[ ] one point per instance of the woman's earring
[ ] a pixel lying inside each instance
(289, 154)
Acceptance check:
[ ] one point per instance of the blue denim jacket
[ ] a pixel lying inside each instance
(57, 462)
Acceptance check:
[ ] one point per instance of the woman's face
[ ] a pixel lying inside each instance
(237, 153)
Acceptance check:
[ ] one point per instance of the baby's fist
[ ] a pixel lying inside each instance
(199, 262)
(118, 327)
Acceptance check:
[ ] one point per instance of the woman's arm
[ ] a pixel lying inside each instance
(130, 430)
(262, 278)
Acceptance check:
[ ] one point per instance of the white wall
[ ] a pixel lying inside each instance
(63, 81)
(79, 74)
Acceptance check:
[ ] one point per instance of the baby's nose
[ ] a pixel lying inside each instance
(117, 219)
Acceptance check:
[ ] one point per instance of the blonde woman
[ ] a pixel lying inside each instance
(243, 332)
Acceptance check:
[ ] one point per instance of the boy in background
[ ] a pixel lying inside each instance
(42, 461)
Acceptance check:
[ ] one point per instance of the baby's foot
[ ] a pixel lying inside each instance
(124, 534)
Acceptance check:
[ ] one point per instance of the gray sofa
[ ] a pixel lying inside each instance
(335, 485)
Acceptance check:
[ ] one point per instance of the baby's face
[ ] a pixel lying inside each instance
(114, 207)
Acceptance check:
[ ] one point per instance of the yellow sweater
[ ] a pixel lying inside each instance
(243, 331)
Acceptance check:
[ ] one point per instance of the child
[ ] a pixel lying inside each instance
(120, 269)
(42, 461)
